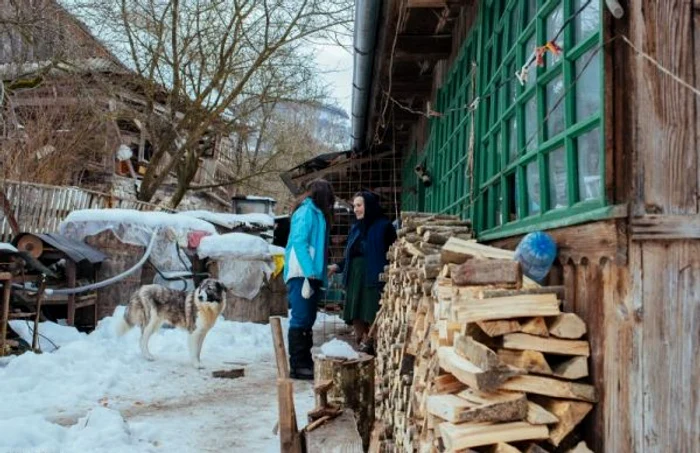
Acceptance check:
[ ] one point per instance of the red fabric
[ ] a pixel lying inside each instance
(194, 238)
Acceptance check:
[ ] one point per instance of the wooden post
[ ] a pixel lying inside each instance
(39, 299)
(353, 387)
(6, 277)
(290, 439)
(280, 352)
(71, 273)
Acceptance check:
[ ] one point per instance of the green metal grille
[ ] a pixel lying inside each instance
(539, 157)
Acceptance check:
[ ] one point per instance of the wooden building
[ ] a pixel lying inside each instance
(594, 141)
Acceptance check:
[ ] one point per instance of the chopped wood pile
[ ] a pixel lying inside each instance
(472, 355)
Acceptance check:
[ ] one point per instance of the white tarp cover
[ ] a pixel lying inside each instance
(244, 261)
(136, 228)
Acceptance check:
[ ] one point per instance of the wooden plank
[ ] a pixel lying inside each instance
(567, 325)
(665, 227)
(538, 415)
(575, 368)
(290, 440)
(457, 437)
(535, 326)
(468, 373)
(473, 310)
(523, 341)
(339, 434)
(499, 327)
(531, 361)
(487, 272)
(471, 406)
(570, 414)
(551, 387)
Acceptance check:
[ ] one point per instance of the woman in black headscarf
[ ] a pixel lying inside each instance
(365, 257)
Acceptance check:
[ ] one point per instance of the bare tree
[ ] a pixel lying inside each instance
(221, 62)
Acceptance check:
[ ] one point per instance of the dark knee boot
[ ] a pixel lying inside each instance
(301, 365)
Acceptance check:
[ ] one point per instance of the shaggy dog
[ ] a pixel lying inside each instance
(195, 311)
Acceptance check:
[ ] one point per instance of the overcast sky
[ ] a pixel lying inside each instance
(336, 66)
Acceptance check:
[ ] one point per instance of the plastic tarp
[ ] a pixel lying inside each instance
(136, 228)
(244, 261)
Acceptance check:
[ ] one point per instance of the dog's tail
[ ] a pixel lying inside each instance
(124, 325)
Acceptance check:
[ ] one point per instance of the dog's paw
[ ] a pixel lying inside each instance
(149, 357)
(197, 365)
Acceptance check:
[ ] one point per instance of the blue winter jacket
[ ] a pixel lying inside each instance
(305, 254)
(377, 243)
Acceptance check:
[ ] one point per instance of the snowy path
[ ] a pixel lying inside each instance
(96, 393)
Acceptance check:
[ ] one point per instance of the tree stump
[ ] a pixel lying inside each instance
(353, 387)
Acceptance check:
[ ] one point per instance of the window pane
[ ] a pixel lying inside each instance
(555, 20)
(512, 138)
(587, 87)
(499, 153)
(588, 21)
(531, 139)
(533, 188)
(557, 179)
(589, 171)
(555, 121)
(527, 52)
(512, 193)
(498, 203)
(530, 11)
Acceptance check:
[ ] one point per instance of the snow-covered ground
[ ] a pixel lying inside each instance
(96, 393)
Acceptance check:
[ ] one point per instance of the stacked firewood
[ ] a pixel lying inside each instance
(472, 356)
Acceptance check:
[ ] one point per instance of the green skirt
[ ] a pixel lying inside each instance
(362, 301)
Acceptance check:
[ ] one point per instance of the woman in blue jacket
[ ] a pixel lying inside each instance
(365, 257)
(306, 258)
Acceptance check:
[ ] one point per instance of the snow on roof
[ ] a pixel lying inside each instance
(234, 245)
(231, 220)
(149, 219)
(7, 247)
(255, 198)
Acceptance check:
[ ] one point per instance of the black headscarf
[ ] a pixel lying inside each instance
(373, 210)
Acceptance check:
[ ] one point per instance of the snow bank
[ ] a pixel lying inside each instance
(339, 349)
(231, 220)
(52, 335)
(54, 401)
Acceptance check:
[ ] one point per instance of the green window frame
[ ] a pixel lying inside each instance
(531, 172)
(446, 153)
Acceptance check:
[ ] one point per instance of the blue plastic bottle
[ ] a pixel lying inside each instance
(536, 253)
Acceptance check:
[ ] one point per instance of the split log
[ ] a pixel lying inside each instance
(458, 437)
(567, 325)
(432, 267)
(524, 341)
(353, 387)
(503, 448)
(500, 327)
(551, 387)
(473, 310)
(534, 448)
(478, 354)
(457, 251)
(538, 415)
(581, 448)
(570, 414)
(470, 374)
(530, 361)
(575, 368)
(489, 293)
(459, 410)
(487, 272)
(535, 326)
